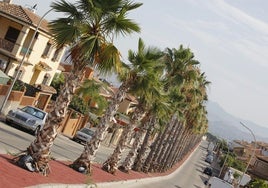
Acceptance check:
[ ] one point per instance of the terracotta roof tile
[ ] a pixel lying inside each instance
(35, 20)
(22, 14)
(14, 11)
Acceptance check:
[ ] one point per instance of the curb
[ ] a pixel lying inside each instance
(64, 186)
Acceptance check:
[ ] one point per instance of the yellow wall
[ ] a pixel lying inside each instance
(36, 54)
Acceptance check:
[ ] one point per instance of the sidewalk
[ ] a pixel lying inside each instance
(12, 176)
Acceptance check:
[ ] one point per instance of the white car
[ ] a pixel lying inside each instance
(28, 117)
(84, 135)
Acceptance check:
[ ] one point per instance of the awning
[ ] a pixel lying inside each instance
(43, 66)
(45, 88)
(3, 78)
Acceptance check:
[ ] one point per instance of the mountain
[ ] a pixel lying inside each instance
(225, 125)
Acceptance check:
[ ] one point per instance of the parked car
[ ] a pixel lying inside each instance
(28, 117)
(209, 152)
(208, 171)
(84, 135)
(209, 159)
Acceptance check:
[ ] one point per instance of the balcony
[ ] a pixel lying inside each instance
(6, 45)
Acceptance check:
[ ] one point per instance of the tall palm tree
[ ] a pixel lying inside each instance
(138, 73)
(177, 103)
(88, 28)
(180, 76)
(195, 94)
(146, 92)
(158, 109)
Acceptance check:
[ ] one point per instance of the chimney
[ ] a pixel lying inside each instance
(8, 1)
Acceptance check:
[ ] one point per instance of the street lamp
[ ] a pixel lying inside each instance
(253, 153)
(22, 61)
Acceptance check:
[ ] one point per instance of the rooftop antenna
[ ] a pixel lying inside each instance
(32, 8)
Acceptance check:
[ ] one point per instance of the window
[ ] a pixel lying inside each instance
(3, 65)
(47, 50)
(46, 79)
(57, 54)
(12, 34)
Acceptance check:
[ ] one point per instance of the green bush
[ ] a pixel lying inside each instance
(258, 183)
(18, 86)
(78, 105)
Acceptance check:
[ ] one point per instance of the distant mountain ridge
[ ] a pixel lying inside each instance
(225, 125)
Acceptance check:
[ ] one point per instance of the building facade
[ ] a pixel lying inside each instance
(17, 28)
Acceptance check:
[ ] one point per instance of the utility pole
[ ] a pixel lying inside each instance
(253, 152)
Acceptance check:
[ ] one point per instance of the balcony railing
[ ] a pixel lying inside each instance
(6, 45)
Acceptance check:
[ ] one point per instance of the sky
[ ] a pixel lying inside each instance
(228, 37)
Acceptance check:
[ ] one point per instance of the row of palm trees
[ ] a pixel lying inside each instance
(169, 86)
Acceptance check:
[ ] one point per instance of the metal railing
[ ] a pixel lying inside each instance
(6, 45)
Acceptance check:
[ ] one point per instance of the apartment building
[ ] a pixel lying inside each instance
(17, 27)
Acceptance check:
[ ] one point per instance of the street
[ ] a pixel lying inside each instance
(189, 175)
(13, 141)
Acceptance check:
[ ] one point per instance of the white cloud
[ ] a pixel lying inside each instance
(236, 15)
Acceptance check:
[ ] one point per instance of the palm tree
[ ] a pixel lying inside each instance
(145, 91)
(138, 73)
(180, 75)
(157, 110)
(195, 94)
(176, 102)
(88, 28)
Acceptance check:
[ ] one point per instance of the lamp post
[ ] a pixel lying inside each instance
(253, 153)
(22, 61)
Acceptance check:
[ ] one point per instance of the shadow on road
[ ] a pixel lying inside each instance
(204, 178)
(14, 134)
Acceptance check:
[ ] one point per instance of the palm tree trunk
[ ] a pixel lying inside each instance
(149, 159)
(151, 163)
(40, 148)
(166, 160)
(145, 145)
(83, 163)
(130, 159)
(178, 156)
(169, 143)
(111, 164)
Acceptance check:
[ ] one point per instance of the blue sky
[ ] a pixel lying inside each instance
(229, 38)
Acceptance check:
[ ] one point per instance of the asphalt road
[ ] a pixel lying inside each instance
(13, 140)
(189, 175)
